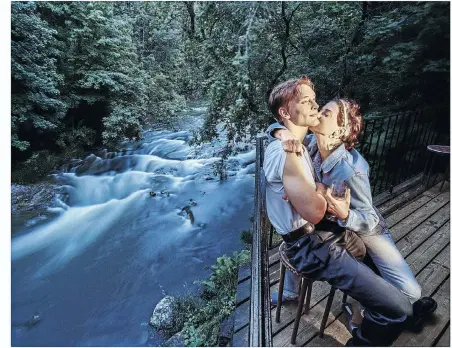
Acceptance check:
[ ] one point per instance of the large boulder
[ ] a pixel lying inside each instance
(165, 313)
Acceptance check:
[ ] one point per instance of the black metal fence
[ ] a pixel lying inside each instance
(395, 145)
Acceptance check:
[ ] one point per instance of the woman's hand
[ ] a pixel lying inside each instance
(338, 207)
(320, 188)
(290, 142)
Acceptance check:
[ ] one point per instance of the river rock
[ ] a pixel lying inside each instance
(36, 197)
(175, 341)
(165, 313)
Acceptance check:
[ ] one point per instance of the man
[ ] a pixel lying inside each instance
(318, 255)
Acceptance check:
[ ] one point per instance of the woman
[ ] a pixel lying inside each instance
(331, 148)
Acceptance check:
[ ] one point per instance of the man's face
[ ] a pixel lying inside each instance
(303, 110)
(328, 119)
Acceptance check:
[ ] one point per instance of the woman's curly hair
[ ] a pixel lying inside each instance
(355, 121)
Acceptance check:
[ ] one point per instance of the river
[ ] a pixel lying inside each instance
(92, 274)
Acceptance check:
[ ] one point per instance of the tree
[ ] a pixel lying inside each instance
(37, 109)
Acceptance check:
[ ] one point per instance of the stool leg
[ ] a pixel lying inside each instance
(430, 170)
(344, 298)
(304, 286)
(424, 172)
(308, 297)
(327, 311)
(282, 274)
(445, 178)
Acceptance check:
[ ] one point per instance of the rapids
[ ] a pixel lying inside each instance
(92, 274)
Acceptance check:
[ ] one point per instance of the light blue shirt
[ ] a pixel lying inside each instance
(351, 167)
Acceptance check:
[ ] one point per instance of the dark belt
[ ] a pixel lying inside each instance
(295, 235)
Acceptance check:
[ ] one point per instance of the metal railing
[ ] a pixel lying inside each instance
(260, 332)
(395, 146)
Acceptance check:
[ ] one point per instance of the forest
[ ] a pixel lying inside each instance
(88, 75)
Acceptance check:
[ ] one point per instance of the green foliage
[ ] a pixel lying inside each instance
(200, 317)
(246, 237)
(36, 167)
(111, 67)
(73, 142)
(35, 82)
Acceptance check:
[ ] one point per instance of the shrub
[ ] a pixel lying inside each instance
(200, 317)
(37, 166)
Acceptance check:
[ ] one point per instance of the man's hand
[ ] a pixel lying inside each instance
(290, 142)
(338, 207)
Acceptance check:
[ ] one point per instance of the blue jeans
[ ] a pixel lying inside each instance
(386, 308)
(391, 264)
(387, 259)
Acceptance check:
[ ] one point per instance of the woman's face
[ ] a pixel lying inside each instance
(328, 119)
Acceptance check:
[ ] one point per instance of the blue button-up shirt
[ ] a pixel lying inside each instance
(351, 167)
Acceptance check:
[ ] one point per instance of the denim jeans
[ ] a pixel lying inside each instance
(386, 308)
(391, 264)
(386, 258)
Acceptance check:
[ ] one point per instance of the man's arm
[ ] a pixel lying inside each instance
(302, 195)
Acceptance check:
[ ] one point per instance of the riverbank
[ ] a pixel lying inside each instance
(30, 203)
(196, 320)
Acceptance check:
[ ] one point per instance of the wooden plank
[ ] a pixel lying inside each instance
(336, 334)
(243, 291)
(309, 323)
(406, 210)
(444, 341)
(242, 316)
(273, 272)
(434, 274)
(433, 191)
(433, 326)
(273, 255)
(244, 273)
(409, 208)
(288, 310)
(422, 232)
(432, 246)
(409, 223)
(240, 338)
(386, 196)
(395, 203)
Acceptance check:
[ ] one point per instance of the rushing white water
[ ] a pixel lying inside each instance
(93, 275)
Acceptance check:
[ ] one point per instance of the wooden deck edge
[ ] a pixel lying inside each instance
(242, 300)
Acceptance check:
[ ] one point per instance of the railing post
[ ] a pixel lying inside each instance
(260, 315)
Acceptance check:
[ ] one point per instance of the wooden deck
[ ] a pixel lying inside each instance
(419, 222)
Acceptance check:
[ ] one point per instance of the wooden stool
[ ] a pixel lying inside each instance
(305, 292)
(436, 150)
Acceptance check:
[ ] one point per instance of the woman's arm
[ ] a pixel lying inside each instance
(362, 217)
(290, 142)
